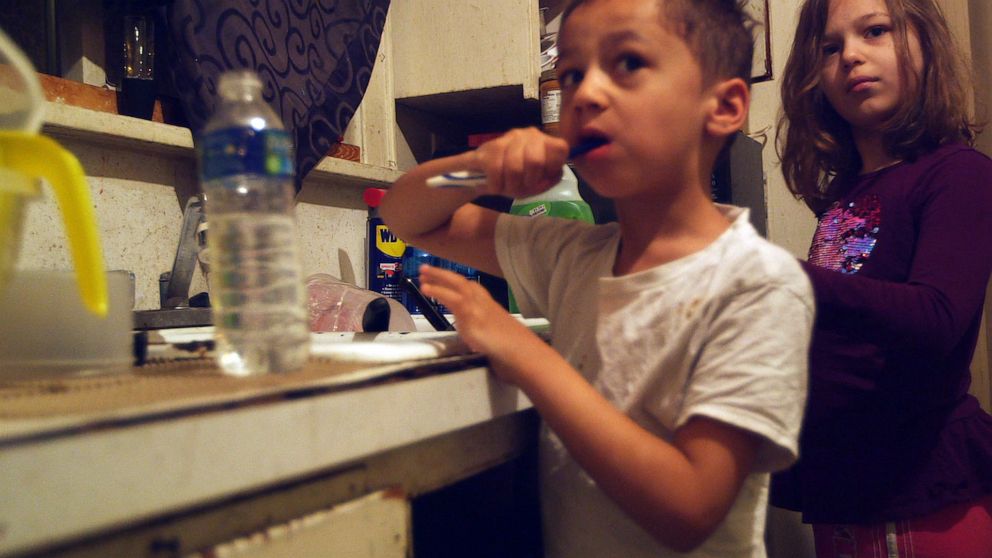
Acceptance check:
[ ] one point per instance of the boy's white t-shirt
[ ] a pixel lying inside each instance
(721, 333)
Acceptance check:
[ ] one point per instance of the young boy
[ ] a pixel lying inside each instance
(677, 373)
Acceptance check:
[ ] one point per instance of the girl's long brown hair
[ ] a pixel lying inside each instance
(815, 144)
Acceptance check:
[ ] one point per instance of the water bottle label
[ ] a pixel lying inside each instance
(245, 151)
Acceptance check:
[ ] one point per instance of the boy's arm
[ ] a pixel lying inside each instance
(678, 492)
(520, 163)
(441, 220)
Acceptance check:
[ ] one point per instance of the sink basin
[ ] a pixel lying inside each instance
(372, 348)
(169, 318)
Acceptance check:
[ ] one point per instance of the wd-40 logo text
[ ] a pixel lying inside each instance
(387, 243)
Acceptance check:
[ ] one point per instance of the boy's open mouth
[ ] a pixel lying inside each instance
(585, 145)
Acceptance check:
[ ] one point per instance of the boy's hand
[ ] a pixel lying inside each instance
(484, 325)
(520, 163)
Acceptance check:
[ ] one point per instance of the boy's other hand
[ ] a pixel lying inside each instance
(520, 163)
(484, 325)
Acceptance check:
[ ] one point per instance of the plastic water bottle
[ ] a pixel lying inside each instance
(256, 284)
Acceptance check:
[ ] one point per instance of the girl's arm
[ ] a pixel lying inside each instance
(678, 492)
(941, 297)
(443, 222)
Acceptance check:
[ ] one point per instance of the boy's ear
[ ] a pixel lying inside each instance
(730, 102)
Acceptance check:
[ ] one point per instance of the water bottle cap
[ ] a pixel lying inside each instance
(239, 84)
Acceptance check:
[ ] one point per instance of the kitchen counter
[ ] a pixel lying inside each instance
(126, 461)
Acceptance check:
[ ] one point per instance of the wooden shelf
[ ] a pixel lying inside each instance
(71, 122)
(342, 172)
(480, 110)
(77, 123)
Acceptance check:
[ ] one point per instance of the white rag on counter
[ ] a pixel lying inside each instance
(373, 348)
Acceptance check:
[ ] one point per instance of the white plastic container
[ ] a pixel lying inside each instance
(46, 330)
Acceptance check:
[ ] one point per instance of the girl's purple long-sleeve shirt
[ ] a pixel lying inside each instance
(899, 268)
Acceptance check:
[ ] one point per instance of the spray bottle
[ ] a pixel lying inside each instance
(561, 200)
(384, 251)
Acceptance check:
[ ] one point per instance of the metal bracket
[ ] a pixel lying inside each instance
(176, 291)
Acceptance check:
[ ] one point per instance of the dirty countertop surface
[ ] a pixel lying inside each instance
(90, 451)
(180, 376)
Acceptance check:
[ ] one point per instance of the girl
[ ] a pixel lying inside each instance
(895, 454)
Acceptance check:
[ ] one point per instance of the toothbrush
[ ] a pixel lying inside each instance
(470, 179)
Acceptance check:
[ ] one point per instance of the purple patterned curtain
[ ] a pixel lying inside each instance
(314, 57)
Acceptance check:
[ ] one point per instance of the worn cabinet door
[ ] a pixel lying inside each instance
(375, 526)
(442, 46)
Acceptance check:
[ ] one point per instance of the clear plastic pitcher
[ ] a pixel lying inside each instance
(26, 156)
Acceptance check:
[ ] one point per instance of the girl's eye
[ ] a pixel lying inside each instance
(830, 49)
(630, 63)
(876, 31)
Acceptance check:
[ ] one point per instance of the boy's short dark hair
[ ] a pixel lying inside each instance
(718, 33)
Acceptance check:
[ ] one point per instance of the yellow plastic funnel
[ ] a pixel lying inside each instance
(25, 157)
(35, 156)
